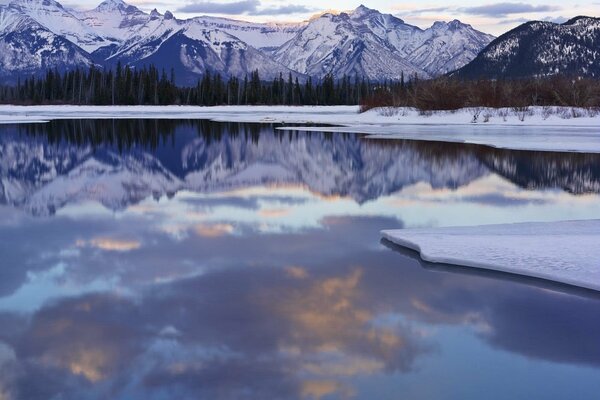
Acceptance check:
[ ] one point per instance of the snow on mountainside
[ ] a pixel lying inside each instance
(363, 43)
(191, 50)
(338, 45)
(367, 43)
(541, 49)
(28, 47)
(446, 47)
(114, 20)
(54, 17)
(260, 36)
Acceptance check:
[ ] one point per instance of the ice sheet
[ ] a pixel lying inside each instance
(566, 252)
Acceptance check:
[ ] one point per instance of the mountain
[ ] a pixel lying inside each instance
(541, 49)
(268, 36)
(27, 47)
(367, 43)
(363, 43)
(114, 20)
(54, 17)
(191, 49)
(447, 46)
(340, 44)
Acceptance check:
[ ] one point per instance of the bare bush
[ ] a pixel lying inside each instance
(547, 111)
(453, 94)
(476, 111)
(388, 111)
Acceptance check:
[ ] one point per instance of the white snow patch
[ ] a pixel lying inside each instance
(565, 252)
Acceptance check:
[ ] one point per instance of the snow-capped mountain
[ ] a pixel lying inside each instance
(341, 44)
(27, 47)
(54, 17)
(447, 46)
(191, 49)
(541, 49)
(367, 43)
(115, 20)
(267, 36)
(363, 42)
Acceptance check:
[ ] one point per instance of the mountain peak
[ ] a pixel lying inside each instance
(452, 25)
(115, 5)
(582, 19)
(169, 15)
(363, 10)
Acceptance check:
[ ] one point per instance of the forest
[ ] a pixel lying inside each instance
(149, 86)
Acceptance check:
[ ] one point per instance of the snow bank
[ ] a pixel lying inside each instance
(260, 114)
(566, 252)
(564, 129)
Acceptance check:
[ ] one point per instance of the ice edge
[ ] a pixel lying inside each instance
(395, 236)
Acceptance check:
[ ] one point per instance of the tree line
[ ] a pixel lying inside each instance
(149, 86)
(446, 93)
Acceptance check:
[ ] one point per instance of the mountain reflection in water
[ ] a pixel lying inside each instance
(165, 259)
(134, 159)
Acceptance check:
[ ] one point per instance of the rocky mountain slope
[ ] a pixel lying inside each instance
(27, 47)
(367, 43)
(541, 49)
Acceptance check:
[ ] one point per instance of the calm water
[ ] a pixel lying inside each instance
(195, 260)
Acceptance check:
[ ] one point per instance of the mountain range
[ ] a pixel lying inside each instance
(36, 35)
(539, 48)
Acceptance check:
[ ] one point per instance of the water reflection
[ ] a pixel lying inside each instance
(121, 162)
(247, 264)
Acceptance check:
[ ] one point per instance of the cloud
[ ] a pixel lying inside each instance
(242, 7)
(211, 7)
(503, 9)
(556, 20)
(288, 9)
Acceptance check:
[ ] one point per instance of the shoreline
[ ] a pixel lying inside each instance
(537, 129)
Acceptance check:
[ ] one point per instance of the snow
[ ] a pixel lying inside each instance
(565, 252)
(269, 35)
(365, 42)
(505, 129)
(57, 19)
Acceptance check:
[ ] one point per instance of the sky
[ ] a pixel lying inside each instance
(490, 16)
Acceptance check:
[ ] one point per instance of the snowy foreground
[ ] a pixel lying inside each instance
(564, 129)
(565, 252)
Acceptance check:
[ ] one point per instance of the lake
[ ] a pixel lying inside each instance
(156, 259)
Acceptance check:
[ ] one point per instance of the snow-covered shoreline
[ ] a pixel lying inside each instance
(339, 115)
(566, 252)
(537, 128)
